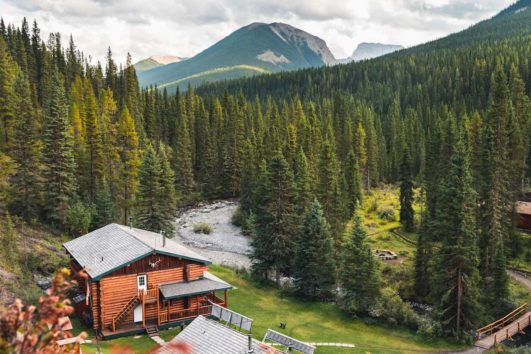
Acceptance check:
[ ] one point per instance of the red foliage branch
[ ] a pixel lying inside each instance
(36, 329)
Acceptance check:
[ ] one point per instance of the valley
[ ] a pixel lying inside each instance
(378, 203)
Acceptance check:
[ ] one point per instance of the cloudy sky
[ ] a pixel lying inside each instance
(186, 27)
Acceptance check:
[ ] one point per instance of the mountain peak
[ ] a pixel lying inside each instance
(253, 49)
(368, 50)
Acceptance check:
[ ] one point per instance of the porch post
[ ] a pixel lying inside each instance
(226, 298)
(143, 309)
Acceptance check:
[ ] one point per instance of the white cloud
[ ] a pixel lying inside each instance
(185, 27)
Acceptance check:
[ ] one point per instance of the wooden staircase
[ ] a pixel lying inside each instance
(152, 330)
(131, 304)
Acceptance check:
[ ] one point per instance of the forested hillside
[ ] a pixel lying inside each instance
(83, 145)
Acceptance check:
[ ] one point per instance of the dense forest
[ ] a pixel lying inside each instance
(83, 145)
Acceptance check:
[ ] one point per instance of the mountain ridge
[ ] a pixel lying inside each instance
(272, 47)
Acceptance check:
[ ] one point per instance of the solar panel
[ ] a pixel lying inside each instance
(234, 318)
(289, 342)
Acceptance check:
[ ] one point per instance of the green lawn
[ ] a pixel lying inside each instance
(318, 322)
(524, 260)
(307, 321)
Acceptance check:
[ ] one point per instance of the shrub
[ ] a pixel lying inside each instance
(238, 218)
(391, 307)
(387, 214)
(403, 253)
(202, 228)
(78, 219)
(373, 206)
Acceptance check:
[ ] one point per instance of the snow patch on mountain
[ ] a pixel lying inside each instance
(270, 57)
(521, 10)
(165, 59)
(294, 35)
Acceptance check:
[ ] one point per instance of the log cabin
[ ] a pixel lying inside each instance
(130, 281)
(523, 215)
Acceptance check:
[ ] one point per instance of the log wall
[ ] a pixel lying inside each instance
(115, 291)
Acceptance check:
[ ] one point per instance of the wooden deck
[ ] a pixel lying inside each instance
(123, 330)
(517, 326)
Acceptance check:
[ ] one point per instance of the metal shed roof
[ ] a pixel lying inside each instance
(111, 247)
(207, 336)
(205, 285)
(523, 208)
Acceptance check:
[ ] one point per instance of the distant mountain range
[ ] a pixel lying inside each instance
(156, 61)
(254, 49)
(373, 50)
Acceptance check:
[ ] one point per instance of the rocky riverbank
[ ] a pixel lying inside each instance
(225, 245)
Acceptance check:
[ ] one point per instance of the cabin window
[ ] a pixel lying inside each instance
(141, 281)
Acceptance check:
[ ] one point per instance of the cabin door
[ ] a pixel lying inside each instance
(137, 314)
(141, 281)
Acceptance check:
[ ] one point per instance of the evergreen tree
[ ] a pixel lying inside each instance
(328, 189)
(9, 239)
(423, 261)
(353, 181)
(303, 183)
(104, 210)
(495, 197)
(406, 194)
(276, 226)
(25, 152)
(359, 275)
(58, 155)
(129, 162)
(149, 214)
(456, 273)
(167, 198)
(183, 164)
(314, 268)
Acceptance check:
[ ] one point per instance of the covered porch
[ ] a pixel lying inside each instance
(186, 300)
(169, 304)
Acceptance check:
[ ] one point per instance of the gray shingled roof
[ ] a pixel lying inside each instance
(207, 337)
(205, 285)
(113, 246)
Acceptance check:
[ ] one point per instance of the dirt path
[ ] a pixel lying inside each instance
(520, 278)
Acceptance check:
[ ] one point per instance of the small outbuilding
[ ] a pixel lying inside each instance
(523, 215)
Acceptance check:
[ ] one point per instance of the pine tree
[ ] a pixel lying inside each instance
(183, 164)
(303, 184)
(58, 154)
(353, 181)
(9, 239)
(104, 210)
(248, 177)
(495, 197)
(94, 145)
(406, 194)
(314, 268)
(148, 214)
(456, 273)
(328, 189)
(167, 198)
(129, 162)
(276, 226)
(7, 75)
(359, 275)
(423, 262)
(25, 152)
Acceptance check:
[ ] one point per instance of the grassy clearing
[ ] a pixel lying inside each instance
(136, 344)
(318, 322)
(378, 200)
(523, 261)
(308, 321)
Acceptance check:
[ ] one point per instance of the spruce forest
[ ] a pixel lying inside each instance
(448, 122)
